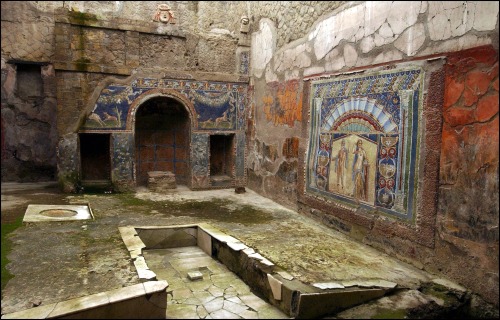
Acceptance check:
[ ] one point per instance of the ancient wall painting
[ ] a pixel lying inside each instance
(363, 143)
(219, 106)
(286, 108)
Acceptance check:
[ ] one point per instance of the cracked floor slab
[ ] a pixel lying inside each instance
(217, 294)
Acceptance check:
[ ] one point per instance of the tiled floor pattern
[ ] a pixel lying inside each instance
(219, 295)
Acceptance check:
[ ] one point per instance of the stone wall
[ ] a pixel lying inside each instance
(87, 44)
(456, 175)
(29, 134)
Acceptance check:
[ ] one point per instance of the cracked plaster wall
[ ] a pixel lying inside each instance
(358, 36)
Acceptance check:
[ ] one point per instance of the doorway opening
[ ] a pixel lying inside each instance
(162, 139)
(95, 157)
(221, 158)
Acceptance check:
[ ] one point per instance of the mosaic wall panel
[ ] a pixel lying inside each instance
(219, 106)
(364, 135)
(200, 160)
(123, 155)
(240, 155)
(244, 62)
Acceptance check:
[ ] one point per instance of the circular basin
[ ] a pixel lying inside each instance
(59, 213)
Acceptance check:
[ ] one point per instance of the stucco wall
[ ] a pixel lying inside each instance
(457, 175)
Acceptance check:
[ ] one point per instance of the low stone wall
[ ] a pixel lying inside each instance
(146, 300)
(278, 287)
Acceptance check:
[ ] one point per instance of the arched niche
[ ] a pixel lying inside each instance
(161, 123)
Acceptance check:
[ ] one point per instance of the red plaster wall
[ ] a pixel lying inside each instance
(467, 220)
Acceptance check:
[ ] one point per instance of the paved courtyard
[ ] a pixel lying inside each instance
(52, 261)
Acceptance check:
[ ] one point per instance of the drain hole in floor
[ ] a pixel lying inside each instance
(58, 213)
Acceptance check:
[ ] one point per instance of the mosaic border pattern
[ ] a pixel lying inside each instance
(363, 148)
(218, 105)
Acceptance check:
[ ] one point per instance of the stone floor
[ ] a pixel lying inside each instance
(53, 261)
(220, 294)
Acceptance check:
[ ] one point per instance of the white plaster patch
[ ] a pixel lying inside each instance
(324, 41)
(270, 76)
(392, 55)
(403, 14)
(488, 13)
(386, 31)
(367, 44)
(332, 30)
(424, 6)
(313, 70)
(334, 61)
(448, 19)
(411, 40)
(263, 46)
(376, 13)
(465, 42)
(350, 55)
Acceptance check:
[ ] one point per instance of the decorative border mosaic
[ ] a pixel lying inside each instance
(363, 148)
(244, 62)
(218, 105)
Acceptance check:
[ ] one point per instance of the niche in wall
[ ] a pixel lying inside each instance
(95, 156)
(221, 157)
(29, 81)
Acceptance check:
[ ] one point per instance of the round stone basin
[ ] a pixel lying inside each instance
(59, 213)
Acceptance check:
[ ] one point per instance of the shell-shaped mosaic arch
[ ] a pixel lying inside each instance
(363, 113)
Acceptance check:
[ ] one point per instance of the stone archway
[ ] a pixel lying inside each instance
(162, 127)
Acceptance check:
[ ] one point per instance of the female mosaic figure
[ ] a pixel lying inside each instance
(360, 172)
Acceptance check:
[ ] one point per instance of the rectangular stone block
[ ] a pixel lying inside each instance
(161, 180)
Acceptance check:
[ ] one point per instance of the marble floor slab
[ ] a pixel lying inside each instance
(219, 294)
(40, 213)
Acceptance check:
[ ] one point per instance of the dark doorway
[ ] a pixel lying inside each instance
(221, 155)
(95, 156)
(162, 139)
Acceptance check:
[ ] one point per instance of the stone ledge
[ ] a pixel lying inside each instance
(123, 25)
(133, 302)
(91, 67)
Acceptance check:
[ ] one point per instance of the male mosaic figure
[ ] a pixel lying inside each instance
(341, 161)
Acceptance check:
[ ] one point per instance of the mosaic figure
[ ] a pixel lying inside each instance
(95, 117)
(360, 172)
(341, 161)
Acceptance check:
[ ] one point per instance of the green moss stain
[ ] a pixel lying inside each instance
(81, 19)
(7, 228)
(217, 209)
(390, 314)
(78, 17)
(82, 64)
(440, 292)
(68, 179)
